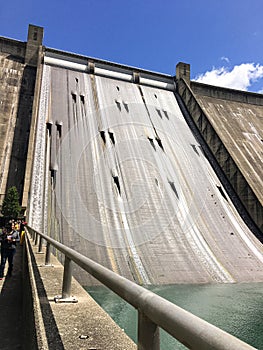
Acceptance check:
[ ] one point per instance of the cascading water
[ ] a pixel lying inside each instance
(129, 186)
(37, 194)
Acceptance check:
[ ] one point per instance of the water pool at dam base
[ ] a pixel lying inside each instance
(235, 308)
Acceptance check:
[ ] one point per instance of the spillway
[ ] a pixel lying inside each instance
(119, 176)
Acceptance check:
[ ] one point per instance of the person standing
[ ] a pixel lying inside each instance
(22, 232)
(8, 249)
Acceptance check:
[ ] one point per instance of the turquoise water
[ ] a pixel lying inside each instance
(235, 308)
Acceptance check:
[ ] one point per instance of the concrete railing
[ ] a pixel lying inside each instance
(154, 312)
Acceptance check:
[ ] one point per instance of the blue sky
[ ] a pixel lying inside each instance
(222, 40)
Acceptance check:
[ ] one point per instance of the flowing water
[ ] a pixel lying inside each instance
(235, 308)
(119, 177)
(36, 207)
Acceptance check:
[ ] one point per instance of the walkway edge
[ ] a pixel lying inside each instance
(40, 335)
(60, 326)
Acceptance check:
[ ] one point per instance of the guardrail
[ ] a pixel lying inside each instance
(154, 312)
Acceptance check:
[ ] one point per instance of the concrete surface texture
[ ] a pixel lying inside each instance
(18, 69)
(11, 73)
(126, 183)
(223, 155)
(239, 125)
(17, 82)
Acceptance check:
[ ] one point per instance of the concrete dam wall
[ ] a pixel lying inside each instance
(16, 95)
(18, 74)
(230, 123)
(119, 176)
(105, 162)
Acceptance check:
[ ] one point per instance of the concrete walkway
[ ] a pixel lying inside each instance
(71, 326)
(11, 306)
(82, 325)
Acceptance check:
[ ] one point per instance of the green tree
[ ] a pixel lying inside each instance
(11, 207)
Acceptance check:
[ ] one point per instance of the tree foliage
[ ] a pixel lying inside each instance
(11, 207)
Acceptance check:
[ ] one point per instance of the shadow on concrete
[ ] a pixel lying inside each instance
(16, 173)
(51, 331)
(18, 329)
(11, 328)
(17, 58)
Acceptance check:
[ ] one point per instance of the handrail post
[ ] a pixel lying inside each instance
(47, 257)
(40, 243)
(148, 333)
(67, 276)
(36, 237)
(66, 285)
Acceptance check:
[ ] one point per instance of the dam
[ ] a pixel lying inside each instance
(156, 177)
(115, 169)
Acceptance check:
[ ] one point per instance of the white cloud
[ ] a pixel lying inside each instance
(240, 77)
(223, 58)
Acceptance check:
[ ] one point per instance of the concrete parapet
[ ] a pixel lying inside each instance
(33, 333)
(67, 326)
(226, 93)
(13, 47)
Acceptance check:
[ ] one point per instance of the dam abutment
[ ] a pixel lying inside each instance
(247, 202)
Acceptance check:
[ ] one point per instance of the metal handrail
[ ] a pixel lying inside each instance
(153, 310)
